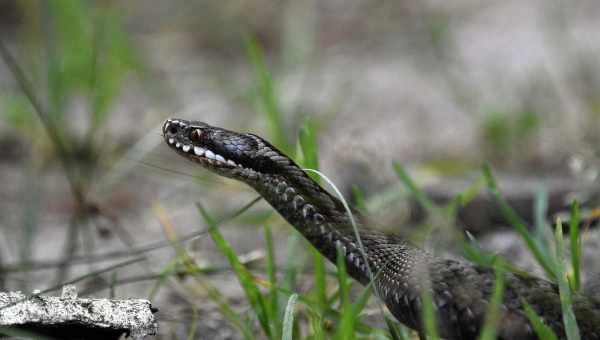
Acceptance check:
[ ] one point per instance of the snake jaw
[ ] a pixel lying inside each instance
(241, 156)
(184, 137)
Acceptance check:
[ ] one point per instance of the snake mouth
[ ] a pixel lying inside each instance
(185, 139)
(201, 154)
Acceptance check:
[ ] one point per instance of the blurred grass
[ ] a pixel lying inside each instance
(552, 262)
(268, 100)
(540, 253)
(575, 246)
(505, 134)
(88, 59)
(564, 289)
(492, 320)
(247, 281)
(540, 328)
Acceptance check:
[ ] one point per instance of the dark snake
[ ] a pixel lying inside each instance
(461, 291)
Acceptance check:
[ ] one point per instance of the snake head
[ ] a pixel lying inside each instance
(238, 155)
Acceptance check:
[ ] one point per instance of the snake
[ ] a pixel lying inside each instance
(461, 292)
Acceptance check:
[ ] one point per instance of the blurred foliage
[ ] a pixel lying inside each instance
(266, 97)
(504, 133)
(86, 55)
(17, 111)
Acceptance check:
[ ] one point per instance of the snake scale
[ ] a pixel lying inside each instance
(461, 291)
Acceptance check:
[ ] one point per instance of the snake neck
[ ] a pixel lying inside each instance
(324, 222)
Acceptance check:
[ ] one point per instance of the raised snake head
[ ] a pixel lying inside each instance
(243, 156)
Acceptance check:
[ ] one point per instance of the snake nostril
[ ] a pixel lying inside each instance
(173, 129)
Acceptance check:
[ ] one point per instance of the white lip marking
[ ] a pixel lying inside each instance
(198, 151)
(171, 141)
(177, 145)
(166, 127)
(220, 158)
(209, 154)
(230, 162)
(186, 148)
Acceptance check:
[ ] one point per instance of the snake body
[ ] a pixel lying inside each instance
(461, 291)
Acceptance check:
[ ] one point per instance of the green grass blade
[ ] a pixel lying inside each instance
(246, 279)
(465, 197)
(569, 320)
(183, 259)
(493, 313)
(267, 96)
(288, 319)
(575, 241)
(359, 198)
(540, 212)
(293, 261)
(345, 329)
(193, 324)
(540, 329)
(167, 272)
(429, 321)
(273, 297)
(423, 200)
(309, 145)
(320, 278)
(472, 191)
(363, 299)
(543, 232)
(316, 325)
(395, 330)
(542, 257)
(473, 252)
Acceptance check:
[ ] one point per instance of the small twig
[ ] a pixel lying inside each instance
(41, 265)
(69, 249)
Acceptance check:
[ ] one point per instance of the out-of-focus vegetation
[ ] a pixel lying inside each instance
(75, 55)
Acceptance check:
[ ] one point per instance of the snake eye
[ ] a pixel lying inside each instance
(195, 135)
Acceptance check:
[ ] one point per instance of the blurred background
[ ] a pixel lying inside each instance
(438, 87)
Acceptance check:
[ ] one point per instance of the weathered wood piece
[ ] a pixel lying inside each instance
(70, 317)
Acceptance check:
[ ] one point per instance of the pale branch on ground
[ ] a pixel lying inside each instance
(70, 317)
